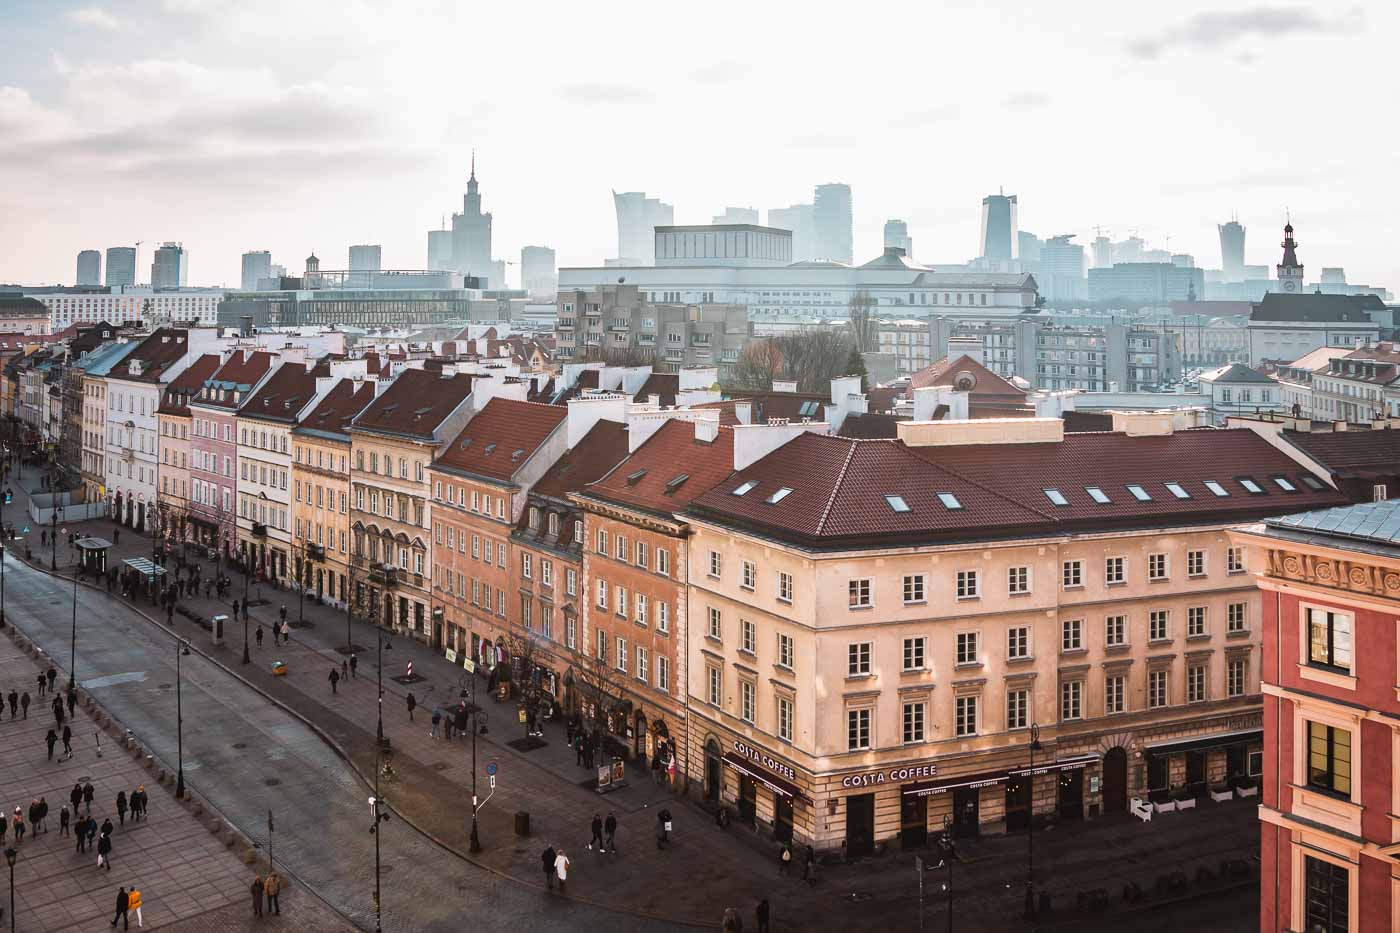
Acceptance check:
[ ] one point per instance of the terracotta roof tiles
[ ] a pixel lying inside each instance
(416, 402)
(669, 470)
(500, 438)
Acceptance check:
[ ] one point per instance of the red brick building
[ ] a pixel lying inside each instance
(1331, 759)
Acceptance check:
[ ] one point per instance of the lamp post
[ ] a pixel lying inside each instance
(247, 558)
(378, 809)
(10, 856)
(73, 638)
(476, 721)
(945, 842)
(4, 541)
(1030, 826)
(182, 648)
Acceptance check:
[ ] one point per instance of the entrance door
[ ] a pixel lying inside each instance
(748, 799)
(1234, 761)
(782, 817)
(1115, 780)
(1072, 794)
(913, 821)
(860, 825)
(437, 636)
(966, 801)
(1196, 772)
(1018, 803)
(713, 783)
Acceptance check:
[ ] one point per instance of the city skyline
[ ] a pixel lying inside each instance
(193, 130)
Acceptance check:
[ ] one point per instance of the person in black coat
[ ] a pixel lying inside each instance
(547, 863)
(121, 807)
(123, 902)
(104, 851)
(51, 740)
(88, 794)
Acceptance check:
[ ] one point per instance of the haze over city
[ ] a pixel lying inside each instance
(309, 126)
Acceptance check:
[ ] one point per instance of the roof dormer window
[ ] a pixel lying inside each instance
(897, 503)
(1250, 486)
(779, 496)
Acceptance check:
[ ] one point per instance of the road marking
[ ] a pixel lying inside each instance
(111, 680)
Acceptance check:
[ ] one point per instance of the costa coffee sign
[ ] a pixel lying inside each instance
(890, 776)
(768, 761)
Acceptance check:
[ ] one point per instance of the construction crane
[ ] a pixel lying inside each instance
(135, 273)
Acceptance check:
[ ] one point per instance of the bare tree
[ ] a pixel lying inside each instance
(757, 368)
(621, 356)
(861, 309)
(813, 358)
(598, 684)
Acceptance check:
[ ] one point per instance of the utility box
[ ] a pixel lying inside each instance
(522, 822)
(216, 629)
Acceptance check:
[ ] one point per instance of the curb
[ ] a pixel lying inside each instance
(367, 782)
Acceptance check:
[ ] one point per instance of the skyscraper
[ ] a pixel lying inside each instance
(89, 267)
(256, 265)
(1231, 251)
(638, 216)
(365, 258)
(897, 235)
(798, 219)
(1103, 252)
(831, 219)
(439, 249)
(1060, 268)
(170, 266)
(471, 232)
(537, 275)
(999, 227)
(736, 215)
(121, 265)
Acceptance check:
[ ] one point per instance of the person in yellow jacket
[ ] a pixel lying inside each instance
(133, 903)
(272, 886)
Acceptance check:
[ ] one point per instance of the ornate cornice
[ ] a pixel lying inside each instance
(1324, 567)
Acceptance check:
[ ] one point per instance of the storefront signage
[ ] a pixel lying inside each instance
(768, 761)
(890, 776)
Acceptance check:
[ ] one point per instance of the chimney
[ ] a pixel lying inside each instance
(753, 442)
(584, 413)
(707, 430)
(1143, 423)
(970, 347)
(784, 385)
(929, 398)
(981, 431)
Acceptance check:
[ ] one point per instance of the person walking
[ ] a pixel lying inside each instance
(44, 814)
(57, 712)
(24, 703)
(597, 834)
(39, 679)
(761, 915)
(134, 903)
(107, 827)
(272, 886)
(104, 851)
(354, 663)
(547, 863)
(663, 828)
(121, 807)
(578, 749)
(334, 678)
(51, 675)
(75, 797)
(123, 905)
(412, 705)
(809, 860)
(34, 816)
(437, 719)
(72, 701)
(142, 802)
(19, 827)
(286, 633)
(258, 635)
(561, 870)
(88, 794)
(732, 922)
(785, 860)
(65, 820)
(256, 889)
(68, 747)
(610, 827)
(51, 740)
(13, 697)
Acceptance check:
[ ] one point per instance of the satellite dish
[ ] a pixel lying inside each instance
(965, 381)
(621, 279)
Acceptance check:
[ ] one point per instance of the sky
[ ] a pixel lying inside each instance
(301, 125)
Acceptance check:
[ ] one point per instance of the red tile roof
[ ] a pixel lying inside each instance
(188, 384)
(416, 402)
(666, 385)
(284, 394)
(602, 448)
(1354, 453)
(985, 385)
(501, 438)
(164, 347)
(337, 409)
(669, 470)
(838, 487)
(239, 374)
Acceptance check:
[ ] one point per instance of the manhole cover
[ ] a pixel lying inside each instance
(164, 686)
(271, 782)
(240, 744)
(440, 766)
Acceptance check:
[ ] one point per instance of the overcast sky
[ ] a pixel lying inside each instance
(301, 125)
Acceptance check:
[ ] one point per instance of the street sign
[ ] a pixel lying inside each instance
(492, 779)
(470, 665)
(491, 768)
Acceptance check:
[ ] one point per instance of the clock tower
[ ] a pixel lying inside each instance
(1290, 272)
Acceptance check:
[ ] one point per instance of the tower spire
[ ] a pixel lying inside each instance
(473, 162)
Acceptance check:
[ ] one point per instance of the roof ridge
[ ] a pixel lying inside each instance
(836, 486)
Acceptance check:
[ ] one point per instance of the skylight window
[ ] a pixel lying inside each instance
(1216, 488)
(677, 482)
(949, 500)
(1312, 482)
(1057, 497)
(635, 478)
(1250, 486)
(1283, 483)
(1140, 494)
(779, 496)
(897, 503)
(1098, 495)
(1177, 490)
(743, 487)
(489, 449)
(808, 409)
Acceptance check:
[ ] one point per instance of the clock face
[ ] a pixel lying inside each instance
(1288, 286)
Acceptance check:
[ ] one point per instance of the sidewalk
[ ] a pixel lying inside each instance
(704, 870)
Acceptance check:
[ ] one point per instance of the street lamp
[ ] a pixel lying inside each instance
(183, 646)
(73, 638)
(10, 856)
(476, 721)
(4, 540)
(247, 556)
(945, 842)
(1030, 827)
(378, 808)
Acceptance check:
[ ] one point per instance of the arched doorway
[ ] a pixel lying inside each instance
(713, 780)
(1115, 780)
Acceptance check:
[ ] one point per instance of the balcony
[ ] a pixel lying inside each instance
(564, 323)
(128, 454)
(383, 574)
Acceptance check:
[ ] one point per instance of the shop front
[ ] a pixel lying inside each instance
(1193, 766)
(765, 789)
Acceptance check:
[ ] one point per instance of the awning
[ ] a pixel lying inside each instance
(1063, 764)
(1205, 741)
(928, 788)
(202, 521)
(94, 544)
(145, 566)
(765, 777)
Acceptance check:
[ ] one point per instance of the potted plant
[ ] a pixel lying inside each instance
(1221, 791)
(1185, 800)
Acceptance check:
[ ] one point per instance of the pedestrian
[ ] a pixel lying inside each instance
(121, 807)
(52, 675)
(24, 703)
(412, 705)
(13, 697)
(272, 886)
(663, 828)
(578, 749)
(282, 613)
(91, 831)
(561, 870)
(65, 820)
(437, 719)
(44, 814)
(286, 633)
(256, 889)
(116, 536)
(107, 826)
(76, 797)
(135, 905)
(785, 860)
(88, 794)
(808, 862)
(258, 635)
(104, 851)
(547, 863)
(354, 663)
(760, 914)
(142, 801)
(610, 827)
(58, 711)
(72, 701)
(123, 905)
(34, 816)
(67, 745)
(19, 827)
(4, 827)
(51, 739)
(334, 678)
(732, 922)
(39, 679)
(656, 768)
(597, 833)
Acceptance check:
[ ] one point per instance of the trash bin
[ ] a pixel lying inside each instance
(216, 628)
(522, 822)
(1044, 903)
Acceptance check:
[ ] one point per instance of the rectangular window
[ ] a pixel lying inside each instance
(914, 653)
(1234, 678)
(527, 566)
(1018, 643)
(858, 594)
(1072, 635)
(914, 722)
(663, 673)
(1113, 571)
(663, 562)
(1234, 619)
(967, 648)
(1071, 700)
(1234, 560)
(746, 636)
(858, 659)
(602, 544)
(857, 729)
(1195, 563)
(621, 607)
(1072, 573)
(571, 581)
(785, 719)
(746, 699)
(1196, 683)
(620, 544)
(1018, 581)
(1157, 625)
(716, 692)
(1115, 631)
(748, 575)
(785, 651)
(1017, 709)
(784, 587)
(1327, 898)
(1329, 639)
(716, 564)
(663, 617)
(716, 626)
(1329, 758)
(546, 573)
(1156, 689)
(1195, 621)
(641, 601)
(602, 646)
(969, 585)
(965, 716)
(603, 595)
(913, 588)
(1113, 694)
(1156, 566)
(643, 551)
